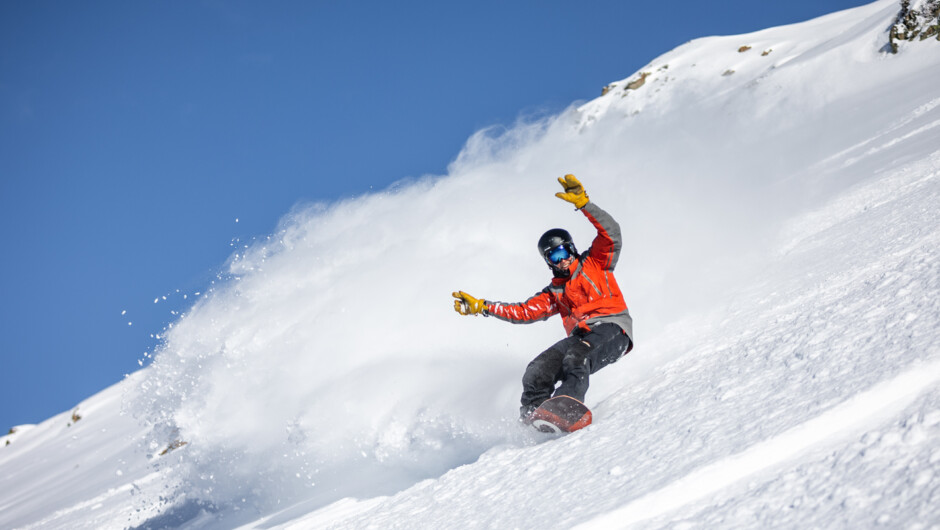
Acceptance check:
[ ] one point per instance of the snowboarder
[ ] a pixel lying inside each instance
(584, 292)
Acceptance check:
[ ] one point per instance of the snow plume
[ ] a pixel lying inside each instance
(331, 363)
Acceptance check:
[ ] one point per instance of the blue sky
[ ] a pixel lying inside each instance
(140, 141)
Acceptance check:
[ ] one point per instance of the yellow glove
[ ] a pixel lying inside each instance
(468, 305)
(574, 191)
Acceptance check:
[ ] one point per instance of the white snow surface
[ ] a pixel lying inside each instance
(781, 214)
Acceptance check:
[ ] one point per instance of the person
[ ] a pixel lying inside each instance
(584, 292)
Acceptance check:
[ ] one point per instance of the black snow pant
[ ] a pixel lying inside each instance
(571, 360)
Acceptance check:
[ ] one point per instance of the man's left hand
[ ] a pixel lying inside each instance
(574, 191)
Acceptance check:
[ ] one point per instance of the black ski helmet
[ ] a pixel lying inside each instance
(553, 239)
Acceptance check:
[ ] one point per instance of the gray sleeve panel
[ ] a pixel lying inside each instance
(515, 321)
(610, 228)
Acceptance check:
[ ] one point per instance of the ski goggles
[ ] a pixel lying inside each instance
(557, 255)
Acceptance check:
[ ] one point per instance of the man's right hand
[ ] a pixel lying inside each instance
(468, 305)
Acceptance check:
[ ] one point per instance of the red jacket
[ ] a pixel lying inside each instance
(589, 295)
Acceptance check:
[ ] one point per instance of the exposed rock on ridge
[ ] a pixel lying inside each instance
(917, 20)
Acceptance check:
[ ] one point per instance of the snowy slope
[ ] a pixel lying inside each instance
(779, 198)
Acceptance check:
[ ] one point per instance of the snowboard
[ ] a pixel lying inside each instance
(560, 414)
